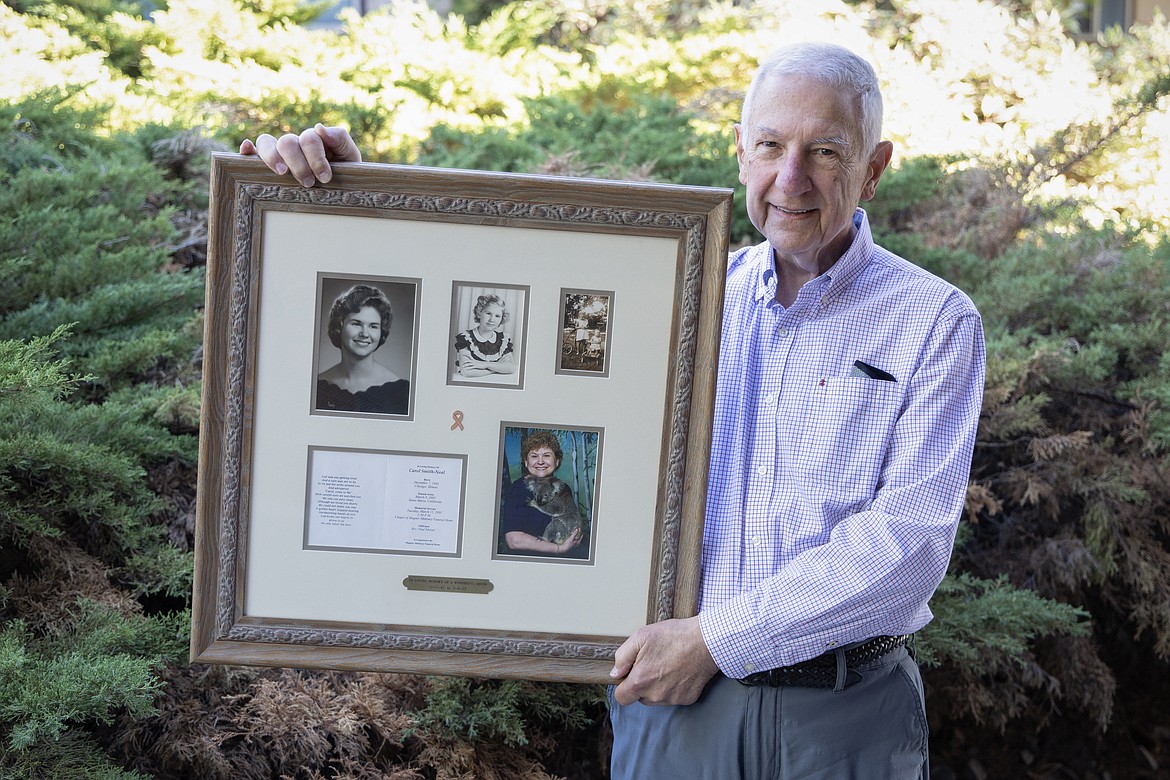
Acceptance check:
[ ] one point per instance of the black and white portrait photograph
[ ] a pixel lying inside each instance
(584, 332)
(486, 346)
(365, 347)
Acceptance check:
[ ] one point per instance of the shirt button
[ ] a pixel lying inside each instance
(762, 471)
(749, 667)
(830, 644)
(757, 541)
(782, 332)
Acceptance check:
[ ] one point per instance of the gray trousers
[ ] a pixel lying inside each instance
(873, 730)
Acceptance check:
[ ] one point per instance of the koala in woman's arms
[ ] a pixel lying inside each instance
(554, 497)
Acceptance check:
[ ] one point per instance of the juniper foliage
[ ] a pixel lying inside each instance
(616, 131)
(503, 710)
(1066, 513)
(90, 321)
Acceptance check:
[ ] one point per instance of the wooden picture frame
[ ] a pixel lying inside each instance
(370, 535)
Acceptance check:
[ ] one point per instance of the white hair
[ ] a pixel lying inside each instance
(831, 64)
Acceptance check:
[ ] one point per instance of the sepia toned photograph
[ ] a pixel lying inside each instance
(584, 333)
(365, 347)
(488, 326)
(548, 488)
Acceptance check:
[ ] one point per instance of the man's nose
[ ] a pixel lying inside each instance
(792, 174)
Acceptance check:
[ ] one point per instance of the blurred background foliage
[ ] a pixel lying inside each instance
(1030, 169)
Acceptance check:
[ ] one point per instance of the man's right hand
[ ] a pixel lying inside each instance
(663, 663)
(305, 156)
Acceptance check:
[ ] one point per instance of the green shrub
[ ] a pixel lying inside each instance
(507, 710)
(114, 27)
(95, 337)
(615, 133)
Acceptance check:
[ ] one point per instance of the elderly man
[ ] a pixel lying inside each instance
(848, 396)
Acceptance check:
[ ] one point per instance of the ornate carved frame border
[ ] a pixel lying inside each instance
(697, 218)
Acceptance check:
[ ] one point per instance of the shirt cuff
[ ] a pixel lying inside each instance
(737, 643)
(741, 645)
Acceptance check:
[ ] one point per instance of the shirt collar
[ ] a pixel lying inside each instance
(832, 281)
(842, 273)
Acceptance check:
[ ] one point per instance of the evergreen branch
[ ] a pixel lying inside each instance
(1105, 399)
(29, 366)
(1061, 154)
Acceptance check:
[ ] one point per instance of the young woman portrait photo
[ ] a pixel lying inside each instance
(365, 346)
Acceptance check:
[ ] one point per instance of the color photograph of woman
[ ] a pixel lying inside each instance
(487, 335)
(365, 346)
(548, 485)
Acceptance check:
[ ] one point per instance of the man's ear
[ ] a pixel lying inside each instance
(878, 162)
(739, 154)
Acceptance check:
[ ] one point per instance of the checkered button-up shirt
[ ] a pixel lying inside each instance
(843, 432)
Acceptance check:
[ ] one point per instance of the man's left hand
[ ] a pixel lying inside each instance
(664, 663)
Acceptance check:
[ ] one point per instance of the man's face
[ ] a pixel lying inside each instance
(800, 158)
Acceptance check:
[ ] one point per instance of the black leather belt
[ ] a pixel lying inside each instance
(825, 670)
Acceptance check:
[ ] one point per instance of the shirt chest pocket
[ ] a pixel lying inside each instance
(843, 434)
